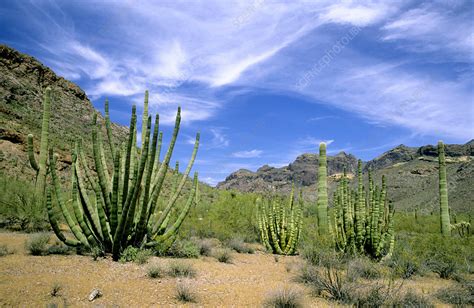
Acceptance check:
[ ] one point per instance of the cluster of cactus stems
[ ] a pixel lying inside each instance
(280, 223)
(113, 210)
(363, 220)
(41, 166)
(443, 192)
(322, 204)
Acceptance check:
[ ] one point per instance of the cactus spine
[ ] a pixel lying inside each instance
(40, 167)
(124, 209)
(280, 224)
(322, 205)
(443, 192)
(363, 224)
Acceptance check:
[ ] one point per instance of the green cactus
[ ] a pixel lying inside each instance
(322, 206)
(443, 192)
(279, 223)
(363, 224)
(124, 209)
(40, 167)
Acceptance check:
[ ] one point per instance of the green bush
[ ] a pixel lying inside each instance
(133, 254)
(96, 253)
(206, 245)
(411, 300)
(21, 211)
(323, 256)
(363, 268)
(329, 282)
(376, 296)
(458, 295)
(155, 271)
(185, 292)
(55, 290)
(59, 249)
(37, 244)
(404, 263)
(442, 264)
(142, 256)
(284, 298)
(307, 274)
(223, 255)
(184, 249)
(4, 250)
(240, 246)
(181, 269)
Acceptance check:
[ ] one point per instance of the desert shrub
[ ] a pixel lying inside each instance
(223, 255)
(97, 252)
(205, 245)
(442, 264)
(405, 264)
(55, 289)
(221, 216)
(133, 254)
(411, 300)
(323, 256)
(240, 246)
(155, 271)
(185, 292)
(4, 250)
(181, 269)
(142, 256)
(184, 249)
(59, 249)
(329, 282)
(363, 268)
(283, 298)
(459, 294)
(375, 296)
(21, 212)
(307, 274)
(37, 244)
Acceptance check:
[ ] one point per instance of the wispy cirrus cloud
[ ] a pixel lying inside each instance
(247, 154)
(434, 27)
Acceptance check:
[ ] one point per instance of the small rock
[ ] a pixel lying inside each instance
(96, 293)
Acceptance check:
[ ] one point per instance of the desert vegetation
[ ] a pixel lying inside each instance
(349, 248)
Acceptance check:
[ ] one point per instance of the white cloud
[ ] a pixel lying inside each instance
(219, 139)
(357, 13)
(431, 28)
(247, 154)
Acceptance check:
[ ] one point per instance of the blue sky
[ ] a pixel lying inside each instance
(264, 81)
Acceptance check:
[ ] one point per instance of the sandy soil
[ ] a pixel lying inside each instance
(26, 281)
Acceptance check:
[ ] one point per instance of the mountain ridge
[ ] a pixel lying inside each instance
(401, 165)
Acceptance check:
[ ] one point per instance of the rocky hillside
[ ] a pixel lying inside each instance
(412, 174)
(22, 82)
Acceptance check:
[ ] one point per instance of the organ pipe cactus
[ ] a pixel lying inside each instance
(322, 205)
(40, 167)
(280, 223)
(363, 221)
(443, 192)
(113, 210)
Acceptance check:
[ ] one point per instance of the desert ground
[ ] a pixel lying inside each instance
(27, 281)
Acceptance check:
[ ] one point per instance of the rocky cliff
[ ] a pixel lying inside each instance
(22, 83)
(411, 172)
